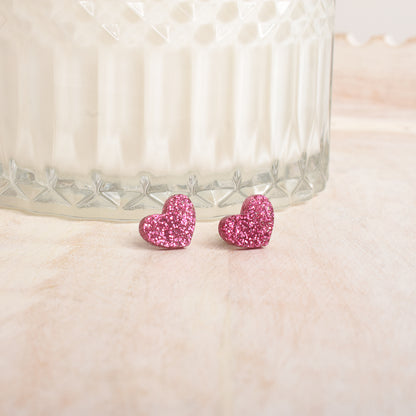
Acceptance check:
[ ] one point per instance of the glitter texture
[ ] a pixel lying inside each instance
(253, 227)
(173, 228)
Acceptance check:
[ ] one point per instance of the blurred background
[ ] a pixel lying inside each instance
(394, 19)
(375, 57)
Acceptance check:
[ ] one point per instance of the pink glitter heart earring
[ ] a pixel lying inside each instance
(173, 228)
(253, 227)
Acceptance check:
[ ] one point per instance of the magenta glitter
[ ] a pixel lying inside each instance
(173, 228)
(253, 227)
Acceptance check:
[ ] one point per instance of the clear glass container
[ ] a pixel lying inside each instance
(108, 107)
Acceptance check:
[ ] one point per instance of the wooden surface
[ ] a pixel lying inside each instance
(322, 322)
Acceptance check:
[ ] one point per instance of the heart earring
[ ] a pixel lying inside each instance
(253, 227)
(173, 228)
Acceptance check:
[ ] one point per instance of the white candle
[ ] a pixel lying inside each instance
(167, 88)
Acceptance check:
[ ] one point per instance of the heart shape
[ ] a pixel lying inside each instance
(173, 228)
(253, 227)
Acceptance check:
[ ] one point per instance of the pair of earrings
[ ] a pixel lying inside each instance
(174, 228)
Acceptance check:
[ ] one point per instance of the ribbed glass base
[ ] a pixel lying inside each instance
(129, 199)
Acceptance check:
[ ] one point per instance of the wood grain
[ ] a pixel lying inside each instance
(375, 79)
(322, 322)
